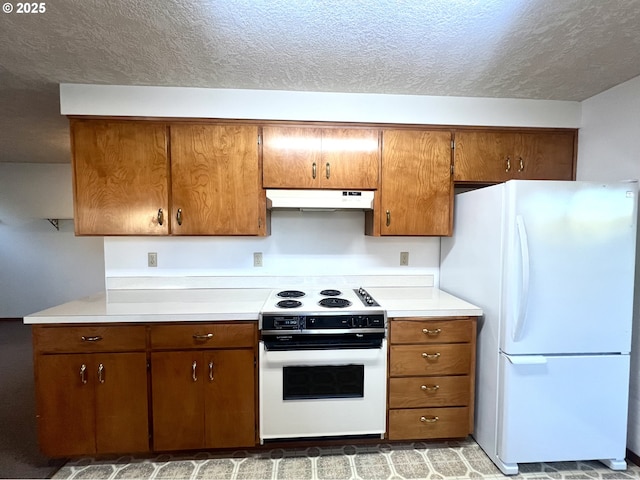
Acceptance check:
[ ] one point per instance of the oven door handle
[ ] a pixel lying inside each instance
(325, 357)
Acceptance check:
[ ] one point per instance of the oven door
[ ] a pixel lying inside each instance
(320, 393)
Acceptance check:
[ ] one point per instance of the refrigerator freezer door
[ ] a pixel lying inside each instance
(562, 409)
(569, 267)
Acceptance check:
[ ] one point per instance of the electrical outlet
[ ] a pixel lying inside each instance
(152, 259)
(257, 259)
(404, 259)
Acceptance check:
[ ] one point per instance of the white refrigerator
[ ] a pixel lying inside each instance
(551, 264)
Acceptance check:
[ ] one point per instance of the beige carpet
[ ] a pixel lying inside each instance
(19, 455)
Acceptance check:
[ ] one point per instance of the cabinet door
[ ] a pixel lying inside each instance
(120, 178)
(65, 405)
(122, 423)
(485, 157)
(178, 400)
(230, 399)
(546, 156)
(350, 159)
(291, 157)
(215, 180)
(417, 190)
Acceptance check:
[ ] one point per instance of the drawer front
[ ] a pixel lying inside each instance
(432, 331)
(203, 335)
(448, 359)
(424, 423)
(88, 338)
(412, 392)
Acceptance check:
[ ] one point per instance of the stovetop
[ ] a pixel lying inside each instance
(320, 301)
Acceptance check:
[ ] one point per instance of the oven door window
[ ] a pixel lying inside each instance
(325, 381)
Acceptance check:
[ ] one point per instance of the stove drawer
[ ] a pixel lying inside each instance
(425, 423)
(412, 392)
(203, 335)
(432, 331)
(448, 359)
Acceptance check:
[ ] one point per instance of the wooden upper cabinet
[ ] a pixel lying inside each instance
(487, 156)
(215, 177)
(120, 177)
(417, 190)
(330, 158)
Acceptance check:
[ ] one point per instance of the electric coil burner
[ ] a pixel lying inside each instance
(334, 302)
(288, 304)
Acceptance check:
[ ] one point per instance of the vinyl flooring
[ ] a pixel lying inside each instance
(432, 461)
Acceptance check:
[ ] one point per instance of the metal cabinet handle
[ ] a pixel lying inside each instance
(508, 169)
(203, 336)
(160, 217)
(95, 338)
(521, 165)
(211, 371)
(193, 371)
(313, 170)
(431, 356)
(435, 331)
(328, 169)
(429, 388)
(433, 419)
(83, 373)
(388, 218)
(101, 373)
(179, 216)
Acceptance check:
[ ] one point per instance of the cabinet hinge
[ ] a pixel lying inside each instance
(453, 144)
(259, 139)
(452, 169)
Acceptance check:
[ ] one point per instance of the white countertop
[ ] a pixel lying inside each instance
(218, 304)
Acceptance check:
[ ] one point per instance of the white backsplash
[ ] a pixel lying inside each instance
(301, 245)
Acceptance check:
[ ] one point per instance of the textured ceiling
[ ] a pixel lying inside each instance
(539, 49)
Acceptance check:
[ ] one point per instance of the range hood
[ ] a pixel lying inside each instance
(327, 200)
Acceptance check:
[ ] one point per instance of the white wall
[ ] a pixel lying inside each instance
(609, 149)
(301, 244)
(41, 267)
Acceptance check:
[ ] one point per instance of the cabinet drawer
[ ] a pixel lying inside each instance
(203, 335)
(447, 359)
(426, 423)
(411, 392)
(432, 331)
(88, 338)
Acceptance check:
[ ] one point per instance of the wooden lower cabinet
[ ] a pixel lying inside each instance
(92, 403)
(203, 385)
(431, 377)
(134, 388)
(203, 399)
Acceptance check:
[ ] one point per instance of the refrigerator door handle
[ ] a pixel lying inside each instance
(524, 293)
(526, 359)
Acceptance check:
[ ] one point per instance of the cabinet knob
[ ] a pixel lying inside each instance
(194, 365)
(202, 336)
(429, 388)
(83, 374)
(508, 169)
(101, 373)
(433, 419)
(179, 216)
(435, 331)
(431, 356)
(95, 338)
(160, 217)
